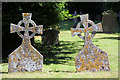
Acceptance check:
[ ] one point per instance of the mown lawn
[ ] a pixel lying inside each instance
(59, 60)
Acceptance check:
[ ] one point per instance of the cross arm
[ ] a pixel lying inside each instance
(76, 31)
(38, 29)
(96, 27)
(15, 28)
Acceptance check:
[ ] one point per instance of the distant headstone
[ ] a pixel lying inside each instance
(25, 57)
(80, 13)
(75, 19)
(90, 58)
(109, 21)
(119, 16)
(75, 14)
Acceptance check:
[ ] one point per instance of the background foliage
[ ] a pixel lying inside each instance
(47, 14)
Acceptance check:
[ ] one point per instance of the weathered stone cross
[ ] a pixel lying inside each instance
(25, 57)
(90, 57)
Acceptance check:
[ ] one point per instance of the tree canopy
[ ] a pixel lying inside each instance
(45, 13)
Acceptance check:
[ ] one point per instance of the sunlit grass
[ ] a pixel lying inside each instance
(59, 62)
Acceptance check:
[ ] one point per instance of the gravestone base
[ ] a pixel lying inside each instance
(20, 60)
(50, 37)
(93, 59)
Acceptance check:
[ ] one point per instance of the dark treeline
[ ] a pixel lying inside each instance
(47, 14)
(93, 8)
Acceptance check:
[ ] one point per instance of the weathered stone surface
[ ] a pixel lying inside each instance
(109, 21)
(90, 58)
(25, 57)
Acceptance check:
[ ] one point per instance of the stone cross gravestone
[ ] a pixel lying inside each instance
(25, 57)
(90, 58)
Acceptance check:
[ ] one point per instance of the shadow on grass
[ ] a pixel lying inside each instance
(59, 54)
(117, 38)
(3, 72)
(63, 71)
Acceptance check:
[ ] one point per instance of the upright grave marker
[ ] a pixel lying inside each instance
(90, 58)
(109, 21)
(119, 16)
(25, 57)
(75, 19)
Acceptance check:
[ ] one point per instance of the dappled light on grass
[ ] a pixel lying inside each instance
(59, 60)
(59, 54)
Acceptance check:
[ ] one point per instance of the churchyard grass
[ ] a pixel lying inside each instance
(59, 60)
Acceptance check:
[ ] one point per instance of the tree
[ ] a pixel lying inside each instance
(48, 14)
(56, 12)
